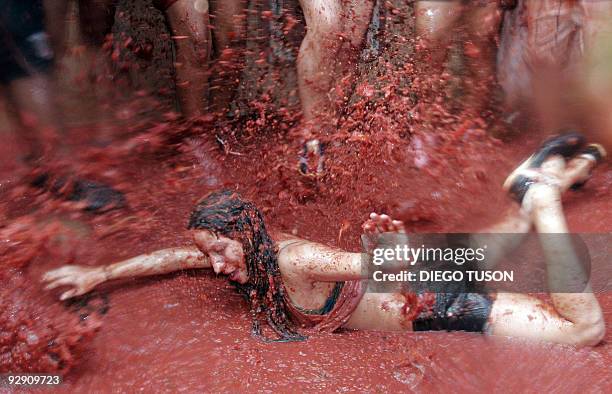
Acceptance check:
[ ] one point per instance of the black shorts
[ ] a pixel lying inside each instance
(24, 45)
(455, 312)
(456, 306)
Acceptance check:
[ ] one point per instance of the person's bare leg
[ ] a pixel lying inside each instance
(598, 101)
(37, 112)
(96, 19)
(482, 24)
(553, 37)
(506, 235)
(577, 318)
(30, 147)
(314, 65)
(189, 22)
(324, 51)
(435, 22)
(55, 22)
(595, 79)
(229, 21)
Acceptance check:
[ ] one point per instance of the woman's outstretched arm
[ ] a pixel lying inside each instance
(84, 279)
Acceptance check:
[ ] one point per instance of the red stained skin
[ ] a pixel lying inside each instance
(191, 330)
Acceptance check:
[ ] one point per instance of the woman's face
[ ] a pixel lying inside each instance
(225, 254)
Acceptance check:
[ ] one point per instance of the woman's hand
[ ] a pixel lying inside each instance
(81, 279)
(378, 225)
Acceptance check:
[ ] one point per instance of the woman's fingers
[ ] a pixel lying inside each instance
(70, 294)
(399, 227)
(58, 273)
(66, 281)
(381, 222)
(59, 282)
(384, 224)
(80, 279)
(369, 227)
(374, 224)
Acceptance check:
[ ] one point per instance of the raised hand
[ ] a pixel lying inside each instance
(378, 224)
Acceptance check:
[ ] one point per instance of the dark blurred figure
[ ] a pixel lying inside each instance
(26, 62)
(190, 23)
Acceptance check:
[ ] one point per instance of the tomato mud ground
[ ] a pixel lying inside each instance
(191, 330)
(438, 169)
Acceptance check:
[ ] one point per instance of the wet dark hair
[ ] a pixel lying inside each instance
(226, 213)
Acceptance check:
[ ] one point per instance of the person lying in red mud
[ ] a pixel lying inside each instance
(295, 284)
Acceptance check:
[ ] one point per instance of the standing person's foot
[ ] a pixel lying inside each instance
(97, 197)
(311, 162)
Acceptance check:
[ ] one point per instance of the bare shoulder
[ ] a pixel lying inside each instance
(280, 237)
(289, 249)
(317, 261)
(285, 241)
